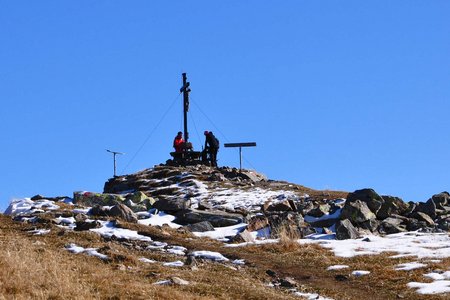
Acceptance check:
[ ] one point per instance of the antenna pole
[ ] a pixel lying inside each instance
(185, 90)
(114, 153)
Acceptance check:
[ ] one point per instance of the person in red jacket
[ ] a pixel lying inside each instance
(178, 142)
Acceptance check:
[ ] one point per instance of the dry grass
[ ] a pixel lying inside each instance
(39, 267)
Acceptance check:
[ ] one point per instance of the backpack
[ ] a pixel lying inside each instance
(214, 142)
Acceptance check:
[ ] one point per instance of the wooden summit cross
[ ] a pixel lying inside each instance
(240, 145)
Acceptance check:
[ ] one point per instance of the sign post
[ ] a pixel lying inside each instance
(240, 145)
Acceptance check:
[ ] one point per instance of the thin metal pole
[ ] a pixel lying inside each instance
(240, 159)
(114, 155)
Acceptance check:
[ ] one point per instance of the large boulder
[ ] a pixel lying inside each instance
(216, 217)
(357, 212)
(123, 212)
(440, 200)
(392, 225)
(278, 206)
(200, 227)
(291, 223)
(92, 199)
(391, 205)
(428, 208)
(345, 230)
(368, 196)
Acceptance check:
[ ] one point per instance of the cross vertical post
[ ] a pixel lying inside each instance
(185, 90)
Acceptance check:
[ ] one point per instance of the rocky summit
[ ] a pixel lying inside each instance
(213, 220)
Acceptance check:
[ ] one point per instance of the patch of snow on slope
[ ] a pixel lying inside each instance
(337, 267)
(420, 245)
(89, 251)
(435, 287)
(108, 229)
(159, 220)
(174, 264)
(359, 273)
(311, 296)
(409, 266)
(28, 206)
(215, 256)
(221, 233)
(440, 285)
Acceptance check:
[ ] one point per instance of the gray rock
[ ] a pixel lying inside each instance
(420, 216)
(370, 225)
(243, 237)
(391, 205)
(257, 222)
(357, 212)
(277, 206)
(172, 205)
(392, 225)
(123, 212)
(320, 210)
(288, 282)
(92, 199)
(345, 230)
(200, 227)
(98, 210)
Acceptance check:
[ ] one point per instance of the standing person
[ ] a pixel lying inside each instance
(212, 147)
(178, 142)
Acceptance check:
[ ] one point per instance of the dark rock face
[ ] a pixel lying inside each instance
(200, 227)
(215, 217)
(345, 230)
(428, 208)
(98, 210)
(84, 225)
(320, 210)
(368, 196)
(123, 212)
(420, 216)
(441, 200)
(172, 205)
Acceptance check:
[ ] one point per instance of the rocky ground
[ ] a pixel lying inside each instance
(187, 226)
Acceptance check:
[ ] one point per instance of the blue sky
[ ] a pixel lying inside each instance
(337, 94)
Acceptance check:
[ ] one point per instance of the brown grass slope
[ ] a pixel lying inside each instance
(39, 267)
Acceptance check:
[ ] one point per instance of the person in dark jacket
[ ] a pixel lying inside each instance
(211, 147)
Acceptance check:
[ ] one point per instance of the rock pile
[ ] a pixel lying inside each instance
(199, 197)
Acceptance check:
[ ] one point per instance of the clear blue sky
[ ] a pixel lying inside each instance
(337, 94)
